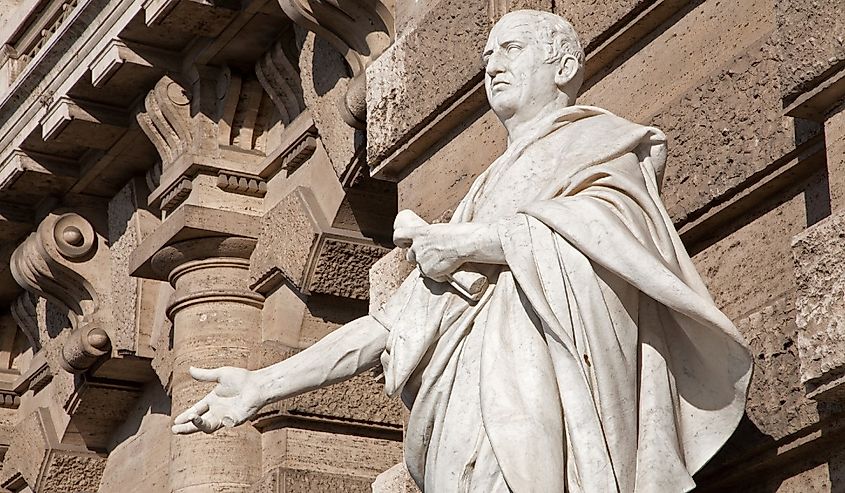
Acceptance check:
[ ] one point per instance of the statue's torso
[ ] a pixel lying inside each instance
(507, 190)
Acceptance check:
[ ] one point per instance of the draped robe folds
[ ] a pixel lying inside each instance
(596, 361)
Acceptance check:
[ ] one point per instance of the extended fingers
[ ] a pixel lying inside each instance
(207, 422)
(197, 409)
(404, 237)
(205, 374)
(184, 428)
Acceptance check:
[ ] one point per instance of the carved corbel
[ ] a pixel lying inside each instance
(359, 29)
(218, 121)
(66, 262)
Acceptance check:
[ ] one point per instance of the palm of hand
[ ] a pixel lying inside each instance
(234, 400)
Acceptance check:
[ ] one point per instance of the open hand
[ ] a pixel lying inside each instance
(236, 398)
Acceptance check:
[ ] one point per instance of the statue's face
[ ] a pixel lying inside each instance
(518, 80)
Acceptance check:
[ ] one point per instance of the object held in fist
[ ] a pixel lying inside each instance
(468, 283)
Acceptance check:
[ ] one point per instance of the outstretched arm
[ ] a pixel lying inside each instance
(240, 393)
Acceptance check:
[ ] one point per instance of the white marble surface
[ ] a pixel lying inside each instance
(592, 358)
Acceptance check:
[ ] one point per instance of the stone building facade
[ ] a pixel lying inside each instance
(213, 182)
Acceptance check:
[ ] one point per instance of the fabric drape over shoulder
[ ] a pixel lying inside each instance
(602, 363)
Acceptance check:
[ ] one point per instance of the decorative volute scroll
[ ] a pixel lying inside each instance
(282, 82)
(359, 29)
(217, 121)
(65, 261)
(219, 109)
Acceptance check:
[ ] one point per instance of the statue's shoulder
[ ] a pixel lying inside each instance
(593, 126)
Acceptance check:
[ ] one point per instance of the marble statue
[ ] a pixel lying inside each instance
(555, 335)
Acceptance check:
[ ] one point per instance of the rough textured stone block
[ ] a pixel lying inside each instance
(397, 479)
(79, 473)
(723, 131)
(361, 399)
(820, 275)
(297, 244)
(707, 37)
(401, 94)
(812, 42)
(777, 403)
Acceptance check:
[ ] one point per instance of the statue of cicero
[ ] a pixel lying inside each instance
(594, 361)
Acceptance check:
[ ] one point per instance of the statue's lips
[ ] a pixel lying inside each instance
(499, 84)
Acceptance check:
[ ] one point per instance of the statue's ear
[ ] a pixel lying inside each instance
(567, 70)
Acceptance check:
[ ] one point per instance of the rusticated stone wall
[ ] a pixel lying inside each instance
(202, 183)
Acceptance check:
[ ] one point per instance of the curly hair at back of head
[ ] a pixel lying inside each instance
(555, 32)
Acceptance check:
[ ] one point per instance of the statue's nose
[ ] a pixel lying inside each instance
(495, 65)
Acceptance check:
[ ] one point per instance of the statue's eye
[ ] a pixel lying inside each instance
(512, 48)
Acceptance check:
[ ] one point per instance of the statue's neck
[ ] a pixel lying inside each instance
(535, 127)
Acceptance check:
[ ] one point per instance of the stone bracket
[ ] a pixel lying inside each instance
(118, 55)
(815, 104)
(68, 263)
(360, 31)
(71, 119)
(296, 243)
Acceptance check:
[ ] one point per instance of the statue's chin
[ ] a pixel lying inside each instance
(502, 109)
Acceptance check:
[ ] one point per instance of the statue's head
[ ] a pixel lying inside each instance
(533, 61)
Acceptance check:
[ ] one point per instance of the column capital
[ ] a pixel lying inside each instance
(176, 241)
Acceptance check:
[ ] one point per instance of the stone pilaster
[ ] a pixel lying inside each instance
(216, 322)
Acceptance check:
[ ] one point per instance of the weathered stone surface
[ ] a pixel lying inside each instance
(820, 275)
(397, 479)
(324, 85)
(723, 131)
(329, 453)
(446, 47)
(763, 237)
(360, 399)
(834, 136)
(297, 244)
(79, 473)
(134, 298)
(811, 42)
(27, 449)
(294, 481)
(710, 35)
(449, 168)
(387, 275)
(288, 233)
(139, 460)
(777, 403)
(342, 266)
(592, 19)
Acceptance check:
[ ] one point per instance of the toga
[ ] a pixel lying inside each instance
(596, 360)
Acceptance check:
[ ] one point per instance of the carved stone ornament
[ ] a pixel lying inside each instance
(590, 358)
(65, 261)
(359, 30)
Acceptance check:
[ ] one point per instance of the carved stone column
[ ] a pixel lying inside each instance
(216, 322)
